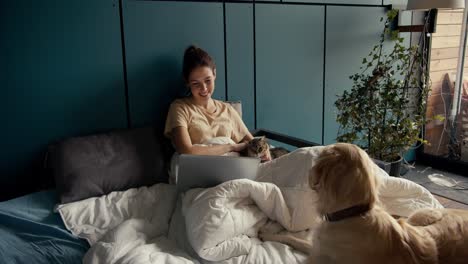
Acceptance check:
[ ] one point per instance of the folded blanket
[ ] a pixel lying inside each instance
(220, 221)
(120, 224)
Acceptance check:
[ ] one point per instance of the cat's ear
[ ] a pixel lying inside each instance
(262, 137)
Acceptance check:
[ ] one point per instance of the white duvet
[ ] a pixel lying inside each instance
(219, 224)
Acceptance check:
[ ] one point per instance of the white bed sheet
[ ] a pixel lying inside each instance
(216, 225)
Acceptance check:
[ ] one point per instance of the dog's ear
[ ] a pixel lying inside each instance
(341, 175)
(324, 175)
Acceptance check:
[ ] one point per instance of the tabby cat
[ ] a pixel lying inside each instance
(258, 146)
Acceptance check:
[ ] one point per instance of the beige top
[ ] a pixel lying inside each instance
(202, 125)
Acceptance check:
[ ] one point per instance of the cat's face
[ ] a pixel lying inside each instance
(257, 147)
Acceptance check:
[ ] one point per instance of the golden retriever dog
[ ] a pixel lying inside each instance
(356, 229)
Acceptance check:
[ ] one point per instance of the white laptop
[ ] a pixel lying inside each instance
(199, 171)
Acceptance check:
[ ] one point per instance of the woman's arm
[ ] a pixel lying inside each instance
(247, 138)
(183, 144)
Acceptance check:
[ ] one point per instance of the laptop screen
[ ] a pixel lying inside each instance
(200, 171)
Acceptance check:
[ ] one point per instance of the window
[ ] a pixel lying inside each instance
(448, 138)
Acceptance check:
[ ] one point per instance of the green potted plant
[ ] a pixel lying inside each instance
(385, 109)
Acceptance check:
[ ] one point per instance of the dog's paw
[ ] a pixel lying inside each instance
(271, 227)
(269, 237)
(425, 217)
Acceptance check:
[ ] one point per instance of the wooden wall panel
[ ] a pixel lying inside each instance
(447, 30)
(449, 18)
(445, 42)
(444, 53)
(443, 60)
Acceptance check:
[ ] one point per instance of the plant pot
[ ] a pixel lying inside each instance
(392, 168)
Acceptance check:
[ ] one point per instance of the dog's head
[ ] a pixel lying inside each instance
(343, 176)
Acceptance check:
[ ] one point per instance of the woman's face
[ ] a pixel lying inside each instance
(201, 82)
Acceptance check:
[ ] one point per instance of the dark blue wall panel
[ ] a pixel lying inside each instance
(346, 2)
(61, 76)
(240, 58)
(289, 68)
(350, 37)
(61, 67)
(156, 35)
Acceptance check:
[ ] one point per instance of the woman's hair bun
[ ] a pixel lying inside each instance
(195, 57)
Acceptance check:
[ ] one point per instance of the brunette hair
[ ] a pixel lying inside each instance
(196, 57)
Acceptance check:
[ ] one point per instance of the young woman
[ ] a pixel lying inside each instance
(198, 117)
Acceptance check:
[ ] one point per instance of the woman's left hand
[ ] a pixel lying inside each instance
(239, 147)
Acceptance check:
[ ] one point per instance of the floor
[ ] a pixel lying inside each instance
(450, 203)
(449, 197)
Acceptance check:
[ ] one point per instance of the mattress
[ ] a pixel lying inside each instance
(31, 232)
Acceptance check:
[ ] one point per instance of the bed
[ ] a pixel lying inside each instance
(31, 232)
(95, 217)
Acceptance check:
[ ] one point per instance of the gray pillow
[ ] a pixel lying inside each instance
(96, 165)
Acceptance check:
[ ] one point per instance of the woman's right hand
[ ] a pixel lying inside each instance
(239, 147)
(183, 145)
